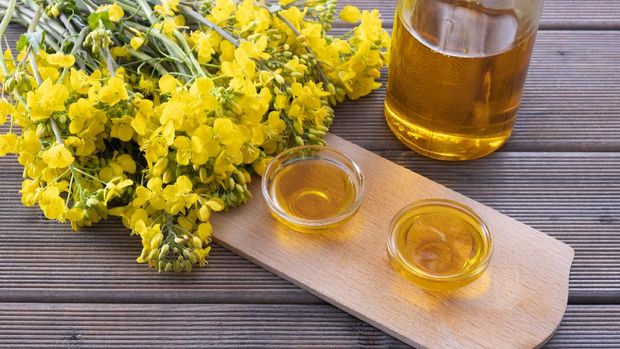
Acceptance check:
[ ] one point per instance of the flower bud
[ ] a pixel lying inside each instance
(168, 266)
(197, 242)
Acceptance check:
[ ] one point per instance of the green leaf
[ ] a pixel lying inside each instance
(22, 42)
(100, 17)
(34, 39)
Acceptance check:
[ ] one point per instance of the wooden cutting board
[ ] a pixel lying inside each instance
(518, 302)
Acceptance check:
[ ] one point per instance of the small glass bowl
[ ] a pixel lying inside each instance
(312, 152)
(439, 244)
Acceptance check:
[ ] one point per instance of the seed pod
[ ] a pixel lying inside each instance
(239, 176)
(317, 133)
(190, 256)
(161, 265)
(313, 137)
(165, 249)
(188, 266)
(331, 88)
(168, 267)
(177, 266)
(299, 141)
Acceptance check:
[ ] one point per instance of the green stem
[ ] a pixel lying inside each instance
(76, 46)
(3, 24)
(33, 63)
(190, 61)
(149, 60)
(202, 20)
(172, 47)
(189, 53)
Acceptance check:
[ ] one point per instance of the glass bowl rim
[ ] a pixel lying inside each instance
(357, 176)
(411, 269)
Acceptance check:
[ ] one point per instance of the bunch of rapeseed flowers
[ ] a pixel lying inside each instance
(160, 112)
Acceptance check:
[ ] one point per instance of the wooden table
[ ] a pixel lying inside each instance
(560, 173)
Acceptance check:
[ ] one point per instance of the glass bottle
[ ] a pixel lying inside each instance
(457, 71)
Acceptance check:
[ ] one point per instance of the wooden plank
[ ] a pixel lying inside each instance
(518, 302)
(34, 325)
(570, 101)
(574, 197)
(557, 14)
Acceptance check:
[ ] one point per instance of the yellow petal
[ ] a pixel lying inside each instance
(350, 14)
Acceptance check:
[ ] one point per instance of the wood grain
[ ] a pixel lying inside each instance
(518, 302)
(32, 325)
(557, 14)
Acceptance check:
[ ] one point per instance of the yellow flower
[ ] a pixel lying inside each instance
(30, 142)
(276, 125)
(179, 195)
(204, 231)
(222, 11)
(204, 145)
(29, 192)
(115, 188)
(120, 51)
(294, 66)
(168, 84)
(115, 12)
(167, 7)
(227, 132)
(8, 143)
(183, 146)
(260, 165)
(57, 156)
(82, 146)
(350, 14)
(47, 99)
(49, 73)
(126, 162)
(74, 215)
(6, 109)
(113, 92)
(79, 81)
(121, 128)
(61, 60)
(52, 205)
(202, 89)
(136, 42)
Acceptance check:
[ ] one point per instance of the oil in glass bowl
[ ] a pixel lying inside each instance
(312, 187)
(439, 244)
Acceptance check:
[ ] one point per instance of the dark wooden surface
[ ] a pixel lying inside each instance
(560, 173)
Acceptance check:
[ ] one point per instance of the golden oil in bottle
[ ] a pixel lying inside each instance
(439, 245)
(457, 72)
(313, 189)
